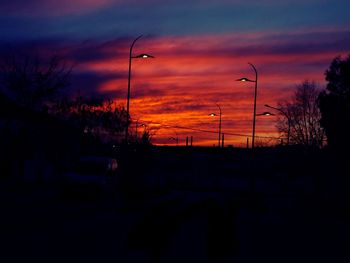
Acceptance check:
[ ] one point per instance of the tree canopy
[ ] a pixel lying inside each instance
(334, 104)
(29, 81)
(300, 117)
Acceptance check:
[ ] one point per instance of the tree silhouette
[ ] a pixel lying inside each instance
(92, 116)
(30, 81)
(334, 104)
(303, 116)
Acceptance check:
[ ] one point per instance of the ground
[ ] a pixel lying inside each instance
(184, 207)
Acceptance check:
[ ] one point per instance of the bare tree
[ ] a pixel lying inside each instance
(29, 81)
(300, 118)
(93, 116)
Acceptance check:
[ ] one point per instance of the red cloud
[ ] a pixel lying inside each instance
(174, 92)
(177, 90)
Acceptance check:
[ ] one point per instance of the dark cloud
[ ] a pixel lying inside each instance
(77, 51)
(89, 82)
(72, 55)
(295, 44)
(91, 51)
(52, 7)
(308, 42)
(141, 91)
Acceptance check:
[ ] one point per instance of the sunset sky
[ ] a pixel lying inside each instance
(201, 47)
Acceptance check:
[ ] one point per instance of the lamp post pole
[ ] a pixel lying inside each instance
(128, 97)
(219, 139)
(177, 139)
(288, 119)
(129, 78)
(255, 95)
(213, 115)
(136, 130)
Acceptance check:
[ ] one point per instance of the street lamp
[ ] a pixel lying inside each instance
(139, 125)
(175, 139)
(286, 115)
(265, 113)
(213, 115)
(255, 94)
(129, 78)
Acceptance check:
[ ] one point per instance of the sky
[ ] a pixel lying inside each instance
(201, 48)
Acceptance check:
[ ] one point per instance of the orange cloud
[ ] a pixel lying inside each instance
(175, 91)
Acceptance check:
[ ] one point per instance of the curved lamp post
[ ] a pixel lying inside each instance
(255, 94)
(129, 78)
(139, 125)
(213, 115)
(286, 115)
(175, 139)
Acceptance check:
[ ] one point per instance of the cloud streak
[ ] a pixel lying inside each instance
(190, 74)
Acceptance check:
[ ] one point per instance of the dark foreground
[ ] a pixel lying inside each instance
(185, 205)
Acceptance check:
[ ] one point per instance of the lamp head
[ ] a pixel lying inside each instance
(245, 80)
(143, 56)
(266, 113)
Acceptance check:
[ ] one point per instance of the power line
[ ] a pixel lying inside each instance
(207, 131)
